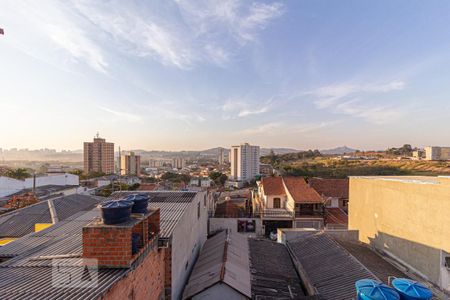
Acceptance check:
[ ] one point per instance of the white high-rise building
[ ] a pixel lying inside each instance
(244, 162)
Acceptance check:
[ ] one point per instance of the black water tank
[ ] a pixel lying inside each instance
(135, 241)
(140, 203)
(116, 211)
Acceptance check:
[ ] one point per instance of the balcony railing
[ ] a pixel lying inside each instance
(309, 214)
(276, 213)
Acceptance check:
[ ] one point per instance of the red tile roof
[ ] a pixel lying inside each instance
(330, 187)
(335, 215)
(147, 186)
(273, 186)
(301, 191)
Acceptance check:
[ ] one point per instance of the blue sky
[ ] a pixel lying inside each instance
(198, 74)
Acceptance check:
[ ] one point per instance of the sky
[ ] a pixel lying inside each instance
(191, 75)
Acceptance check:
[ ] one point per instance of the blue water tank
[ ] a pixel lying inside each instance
(140, 203)
(411, 290)
(368, 289)
(115, 211)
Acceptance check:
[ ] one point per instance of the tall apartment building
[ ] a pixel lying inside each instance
(98, 156)
(437, 153)
(222, 156)
(130, 164)
(244, 162)
(178, 163)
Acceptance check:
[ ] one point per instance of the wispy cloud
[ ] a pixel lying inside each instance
(331, 94)
(262, 129)
(237, 108)
(123, 116)
(56, 30)
(179, 33)
(350, 99)
(277, 128)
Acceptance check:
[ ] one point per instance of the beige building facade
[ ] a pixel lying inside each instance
(130, 164)
(437, 153)
(406, 218)
(98, 156)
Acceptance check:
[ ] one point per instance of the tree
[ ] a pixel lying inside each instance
(19, 173)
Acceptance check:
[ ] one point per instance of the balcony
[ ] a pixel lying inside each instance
(275, 213)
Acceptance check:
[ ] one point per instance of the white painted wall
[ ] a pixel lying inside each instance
(60, 179)
(10, 186)
(187, 240)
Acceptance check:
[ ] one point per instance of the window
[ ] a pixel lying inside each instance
(204, 201)
(276, 203)
(198, 210)
(246, 225)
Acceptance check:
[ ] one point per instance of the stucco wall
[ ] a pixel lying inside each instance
(187, 240)
(408, 218)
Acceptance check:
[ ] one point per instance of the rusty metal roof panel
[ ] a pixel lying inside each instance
(224, 258)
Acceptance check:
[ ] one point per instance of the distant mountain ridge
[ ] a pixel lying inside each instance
(338, 151)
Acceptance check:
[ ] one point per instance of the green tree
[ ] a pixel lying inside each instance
(19, 173)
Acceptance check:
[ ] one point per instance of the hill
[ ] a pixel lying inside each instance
(338, 151)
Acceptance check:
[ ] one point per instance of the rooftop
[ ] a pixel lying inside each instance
(27, 272)
(172, 206)
(24, 276)
(42, 192)
(301, 191)
(223, 258)
(332, 266)
(20, 222)
(272, 272)
(273, 186)
(335, 215)
(330, 187)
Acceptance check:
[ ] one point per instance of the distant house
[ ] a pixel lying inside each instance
(335, 193)
(286, 202)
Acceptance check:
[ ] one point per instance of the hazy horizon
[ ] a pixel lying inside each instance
(184, 75)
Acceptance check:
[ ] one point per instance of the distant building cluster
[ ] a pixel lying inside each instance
(437, 153)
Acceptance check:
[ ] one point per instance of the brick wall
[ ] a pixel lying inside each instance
(110, 245)
(145, 282)
(168, 271)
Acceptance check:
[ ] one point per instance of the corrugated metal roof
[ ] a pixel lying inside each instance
(272, 272)
(224, 258)
(172, 207)
(21, 222)
(329, 267)
(25, 277)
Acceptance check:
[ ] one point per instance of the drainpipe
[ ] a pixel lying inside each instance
(51, 208)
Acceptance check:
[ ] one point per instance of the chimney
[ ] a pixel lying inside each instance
(119, 245)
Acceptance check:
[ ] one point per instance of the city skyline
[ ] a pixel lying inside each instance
(192, 76)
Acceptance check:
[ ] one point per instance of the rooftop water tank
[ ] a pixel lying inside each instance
(368, 289)
(115, 211)
(411, 290)
(140, 203)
